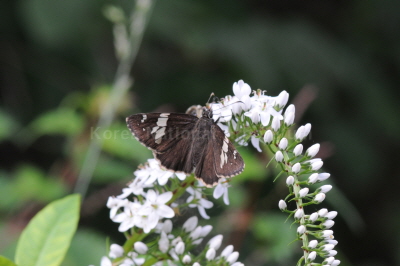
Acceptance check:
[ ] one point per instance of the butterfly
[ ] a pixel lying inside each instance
(188, 143)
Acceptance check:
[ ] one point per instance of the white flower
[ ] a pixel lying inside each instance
(116, 251)
(289, 180)
(279, 156)
(186, 259)
(163, 243)
(299, 213)
(268, 136)
(298, 150)
(315, 166)
(196, 200)
(237, 264)
(241, 89)
(105, 261)
(129, 217)
(282, 99)
(301, 229)
(328, 224)
(313, 178)
(322, 212)
(312, 244)
(323, 176)
(276, 123)
(296, 168)
(319, 197)
(300, 133)
(313, 217)
(283, 143)
(303, 192)
(190, 224)
(313, 150)
(327, 234)
(215, 242)
(140, 247)
(312, 256)
(307, 129)
(196, 264)
(325, 188)
(227, 251)
(331, 215)
(255, 142)
(335, 263)
(115, 204)
(233, 257)
(282, 205)
(328, 247)
(210, 255)
(180, 248)
(289, 115)
(222, 189)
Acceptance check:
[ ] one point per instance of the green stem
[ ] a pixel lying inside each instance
(122, 82)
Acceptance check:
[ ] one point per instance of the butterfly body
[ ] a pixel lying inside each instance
(187, 143)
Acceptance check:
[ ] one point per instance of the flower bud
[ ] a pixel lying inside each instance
(296, 168)
(289, 180)
(276, 123)
(312, 256)
(301, 229)
(186, 259)
(196, 264)
(300, 133)
(227, 251)
(283, 143)
(289, 119)
(315, 166)
(327, 224)
(322, 212)
(215, 242)
(282, 205)
(313, 217)
(312, 244)
(190, 224)
(313, 178)
(329, 260)
(335, 263)
(282, 99)
(233, 257)
(313, 150)
(323, 176)
(180, 248)
(319, 197)
(307, 129)
(299, 213)
(325, 188)
(327, 234)
(298, 149)
(331, 215)
(303, 192)
(140, 247)
(327, 247)
(210, 255)
(268, 136)
(332, 253)
(205, 230)
(279, 156)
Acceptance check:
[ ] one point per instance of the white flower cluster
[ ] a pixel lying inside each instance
(177, 247)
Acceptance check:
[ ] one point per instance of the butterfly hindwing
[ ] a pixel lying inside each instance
(227, 160)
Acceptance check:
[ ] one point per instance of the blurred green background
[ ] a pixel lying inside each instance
(339, 60)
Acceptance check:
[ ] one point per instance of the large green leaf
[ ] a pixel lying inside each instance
(6, 262)
(47, 237)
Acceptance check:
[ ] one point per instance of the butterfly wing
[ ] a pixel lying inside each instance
(227, 160)
(166, 134)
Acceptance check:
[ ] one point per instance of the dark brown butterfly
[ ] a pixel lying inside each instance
(188, 143)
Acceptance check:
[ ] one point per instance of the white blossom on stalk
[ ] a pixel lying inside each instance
(268, 136)
(222, 190)
(312, 244)
(210, 255)
(315, 166)
(116, 251)
(322, 212)
(282, 99)
(313, 178)
(276, 123)
(196, 200)
(303, 192)
(215, 242)
(301, 229)
(186, 259)
(256, 143)
(312, 256)
(313, 217)
(233, 257)
(331, 215)
(325, 188)
(105, 262)
(227, 251)
(335, 263)
(328, 224)
(298, 150)
(313, 150)
(279, 156)
(290, 180)
(241, 89)
(190, 224)
(323, 176)
(140, 247)
(299, 213)
(319, 197)
(283, 144)
(296, 168)
(282, 205)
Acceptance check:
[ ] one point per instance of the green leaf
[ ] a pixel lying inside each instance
(6, 262)
(46, 239)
